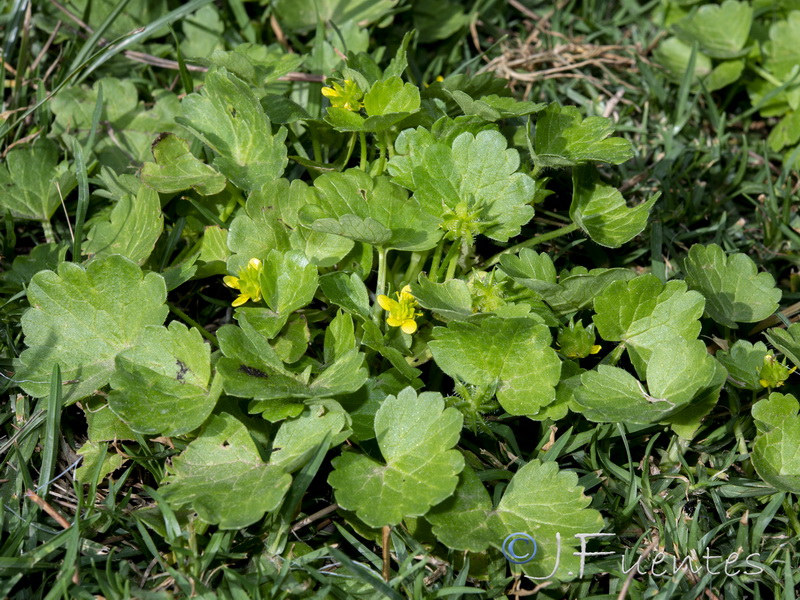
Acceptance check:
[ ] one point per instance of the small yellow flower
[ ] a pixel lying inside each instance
(401, 311)
(247, 283)
(348, 97)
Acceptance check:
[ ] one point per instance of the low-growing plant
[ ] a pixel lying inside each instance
(381, 296)
(741, 44)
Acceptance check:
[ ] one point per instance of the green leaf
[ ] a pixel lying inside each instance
(297, 438)
(202, 32)
(686, 422)
(256, 64)
(305, 14)
(368, 209)
(646, 314)
(774, 411)
(786, 132)
(450, 300)
(541, 500)
(565, 139)
(162, 385)
(288, 281)
(494, 107)
(257, 230)
(676, 373)
(176, 169)
(222, 478)
(339, 337)
(514, 354)
(373, 338)
(391, 96)
(724, 74)
(282, 110)
(439, 20)
(342, 119)
(41, 257)
(92, 453)
(475, 178)
(214, 251)
(721, 30)
(133, 229)
(787, 341)
(734, 289)
(346, 291)
(781, 52)
(30, 180)
(127, 126)
(575, 289)
(600, 210)
(776, 451)
(744, 362)
(292, 343)
(364, 404)
(674, 55)
(104, 425)
(229, 119)
(252, 369)
(82, 318)
(389, 102)
(416, 435)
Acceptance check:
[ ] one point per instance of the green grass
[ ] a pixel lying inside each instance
(706, 154)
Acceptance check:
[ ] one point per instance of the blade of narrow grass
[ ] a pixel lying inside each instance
(295, 494)
(83, 200)
(98, 111)
(51, 434)
(365, 575)
(186, 78)
(376, 560)
(682, 105)
(12, 29)
(90, 44)
(242, 20)
(142, 34)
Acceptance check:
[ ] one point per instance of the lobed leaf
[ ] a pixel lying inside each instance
(82, 318)
(222, 478)
(734, 289)
(416, 435)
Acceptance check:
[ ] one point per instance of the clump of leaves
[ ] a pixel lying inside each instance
(741, 43)
(368, 315)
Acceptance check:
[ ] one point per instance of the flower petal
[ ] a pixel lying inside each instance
(386, 303)
(231, 281)
(242, 299)
(409, 326)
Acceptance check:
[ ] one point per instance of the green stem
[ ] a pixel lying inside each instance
(437, 258)
(450, 259)
(614, 356)
(451, 268)
(316, 145)
(389, 144)
(362, 137)
(545, 237)
(381, 157)
(49, 235)
(415, 266)
(380, 288)
(187, 319)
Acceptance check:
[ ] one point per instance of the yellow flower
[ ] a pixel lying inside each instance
(347, 97)
(247, 283)
(401, 311)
